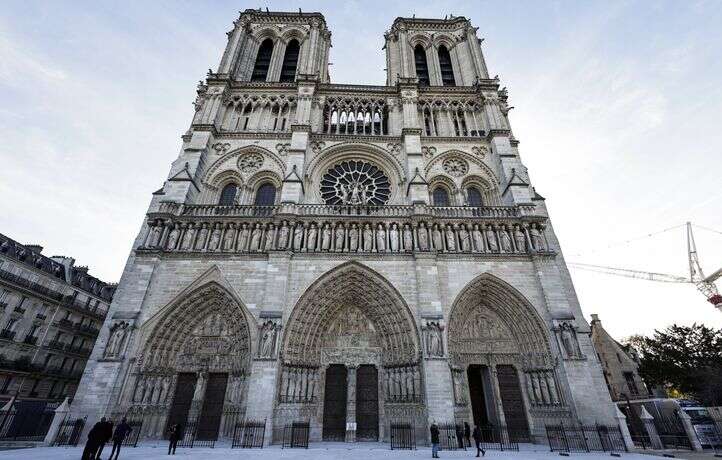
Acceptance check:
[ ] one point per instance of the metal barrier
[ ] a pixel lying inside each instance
(296, 435)
(69, 432)
(190, 438)
(451, 436)
(672, 433)
(594, 438)
(249, 434)
(23, 423)
(499, 438)
(132, 439)
(403, 436)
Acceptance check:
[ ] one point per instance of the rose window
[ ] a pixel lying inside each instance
(455, 166)
(355, 183)
(250, 162)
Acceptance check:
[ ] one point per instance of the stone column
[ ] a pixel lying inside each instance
(351, 403)
(60, 414)
(689, 429)
(648, 421)
(497, 395)
(261, 394)
(624, 429)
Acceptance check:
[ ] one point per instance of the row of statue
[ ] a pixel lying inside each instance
(155, 390)
(346, 237)
(542, 388)
(298, 384)
(403, 384)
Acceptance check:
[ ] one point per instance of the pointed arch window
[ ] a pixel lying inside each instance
(265, 195)
(263, 61)
(422, 67)
(290, 61)
(447, 71)
(228, 195)
(441, 196)
(474, 197)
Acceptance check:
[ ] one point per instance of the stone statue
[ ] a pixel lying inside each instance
(437, 239)
(202, 236)
(458, 387)
(116, 340)
(353, 238)
(380, 238)
(433, 340)
(188, 238)
(270, 237)
(423, 236)
(311, 240)
(267, 346)
(326, 237)
(450, 238)
(478, 238)
(368, 238)
(215, 238)
(504, 240)
(408, 238)
(537, 240)
(243, 237)
(394, 237)
(283, 236)
(228, 237)
(340, 235)
(155, 234)
(491, 240)
(519, 239)
(298, 236)
(464, 243)
(344, 194)
(256, 238)
(569, 341)
(173, 237)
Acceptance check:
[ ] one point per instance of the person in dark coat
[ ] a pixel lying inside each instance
(477, 440)
(175, 435)
(105, 434)
(434, 429)
(93, 442)
(467, 434)
(121, 432)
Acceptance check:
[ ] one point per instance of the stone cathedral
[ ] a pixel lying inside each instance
(346, 255)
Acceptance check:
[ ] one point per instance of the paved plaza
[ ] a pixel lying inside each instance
(320, 451)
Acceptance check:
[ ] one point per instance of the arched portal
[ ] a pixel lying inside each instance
(193, 367)
(350, 355)
(502, 368)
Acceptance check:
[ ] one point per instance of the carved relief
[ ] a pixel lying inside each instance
(455, 166)
(282, 149)
(566, 334)
(433, 333)
(268, 336)
(250, 163)
(119, 333)
(428, 152)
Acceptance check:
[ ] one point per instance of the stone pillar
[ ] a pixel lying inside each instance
(624, 429)
(497, 396)
(439, 390)
(648, 421)
(351, 403)
(60, 414)
(689, 429)
(261, 393)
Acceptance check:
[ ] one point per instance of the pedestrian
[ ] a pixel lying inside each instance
(459, 436)
(477, 440)
(434, 429)
(106, 432)
(467, 434)
(91, 445)
(121, 432)
(175, 435)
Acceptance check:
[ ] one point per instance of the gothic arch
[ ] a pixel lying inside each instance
(350, 285)
(228, 162)
(485, 170)
(490, 317)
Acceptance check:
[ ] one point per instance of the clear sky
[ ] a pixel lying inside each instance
(618, 107)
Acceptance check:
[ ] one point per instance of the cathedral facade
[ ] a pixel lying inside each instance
(349, 256)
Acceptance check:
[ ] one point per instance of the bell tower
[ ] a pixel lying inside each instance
(438, 52)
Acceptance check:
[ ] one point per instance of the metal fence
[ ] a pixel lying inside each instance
(593, 438)
(190, 438)
(25, 423)
(403, 436)
(296, 435)
(69, 432)
(249, 434)
(132, 439)
(672, 433)
(451, 436)
(500, 438)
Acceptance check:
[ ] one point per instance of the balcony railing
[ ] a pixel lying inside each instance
(19, 309)
(86, 329)
(56, 345)
(7, 334)
(30, 340)
(65, 323)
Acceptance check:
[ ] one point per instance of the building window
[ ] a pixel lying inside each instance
(441, 197)
(447, 71)
(422, 67)
(265, 195)
(228, 195)
(474, 197)
(631, 384)
(290, 61)
(263, 61)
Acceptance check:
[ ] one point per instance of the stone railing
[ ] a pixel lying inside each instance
(359, 229)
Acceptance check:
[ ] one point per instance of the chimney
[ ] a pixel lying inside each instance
(595, 318)
(36, 248)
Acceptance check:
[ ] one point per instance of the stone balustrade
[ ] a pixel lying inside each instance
(512, 230)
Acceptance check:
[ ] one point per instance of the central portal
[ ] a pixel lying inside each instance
(334, 403)
(367, 403)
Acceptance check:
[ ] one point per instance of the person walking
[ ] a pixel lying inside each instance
(106, 432)
(121, 432)
(93, 442)
(175, 435)
(467, 434)
(477, 440)
(434, 429)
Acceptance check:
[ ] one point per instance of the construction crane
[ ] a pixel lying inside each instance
(705, 285)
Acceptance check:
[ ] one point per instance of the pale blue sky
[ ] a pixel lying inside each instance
(617, 107)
